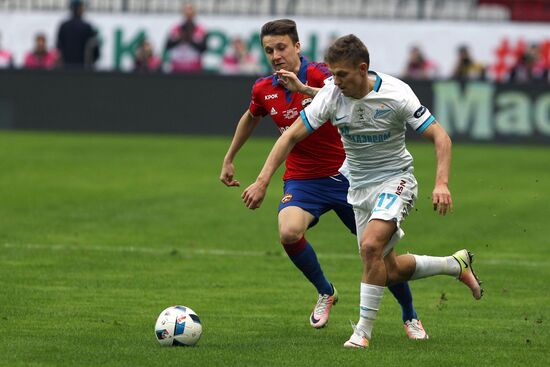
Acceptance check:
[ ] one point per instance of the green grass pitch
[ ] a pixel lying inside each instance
(99, 233)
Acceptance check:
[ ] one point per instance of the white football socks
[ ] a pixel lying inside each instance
(371, 296)
(427, 266)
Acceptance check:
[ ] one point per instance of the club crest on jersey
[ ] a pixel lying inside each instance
(306, 101)
(381, 112)
(286, 198)
(361, 116)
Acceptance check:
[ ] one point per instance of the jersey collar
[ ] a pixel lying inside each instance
(378, 81)
(302, 73)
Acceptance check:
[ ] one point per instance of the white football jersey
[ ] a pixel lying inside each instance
(372, 128)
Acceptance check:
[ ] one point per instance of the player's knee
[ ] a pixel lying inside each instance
(289, 235)
(296, 247)
(371, 249)
(392, 276)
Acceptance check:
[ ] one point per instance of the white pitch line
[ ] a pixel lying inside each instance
(162, 251)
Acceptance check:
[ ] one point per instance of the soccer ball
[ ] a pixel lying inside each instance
(178, 325)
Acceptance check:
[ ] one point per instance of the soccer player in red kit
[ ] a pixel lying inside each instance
(313, 184)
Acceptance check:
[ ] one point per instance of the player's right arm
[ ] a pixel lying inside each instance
(245, 127)
(441, 195)
(310, 119)
(254, 194)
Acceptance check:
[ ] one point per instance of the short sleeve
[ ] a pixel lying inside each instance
(317, 73)
(414, 113)
(256, 104)
(321, 108)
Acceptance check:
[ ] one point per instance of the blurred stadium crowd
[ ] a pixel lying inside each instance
(403, 9)
(77, 46)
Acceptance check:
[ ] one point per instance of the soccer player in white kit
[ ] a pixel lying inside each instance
(371, 111)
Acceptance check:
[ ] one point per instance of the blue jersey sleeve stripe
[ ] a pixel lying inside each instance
(425, 124)
(377, 84)
(306, 122)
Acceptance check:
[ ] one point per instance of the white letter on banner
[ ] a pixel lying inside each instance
(467, 113)
(542, 114)
(514, 115)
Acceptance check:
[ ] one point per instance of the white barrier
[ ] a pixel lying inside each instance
(388, 41)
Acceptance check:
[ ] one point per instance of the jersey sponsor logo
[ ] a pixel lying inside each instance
(291, 114)
(306, 101)
(340, 118)
(273, 111)
(286, 198)
(271, 96)
(419, 112)
(360, 138)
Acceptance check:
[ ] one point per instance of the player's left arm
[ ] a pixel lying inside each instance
(254, 194)
(441, 195)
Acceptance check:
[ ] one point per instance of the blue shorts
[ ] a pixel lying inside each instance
(318, 196)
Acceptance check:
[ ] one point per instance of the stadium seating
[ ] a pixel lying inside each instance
(387, 9)
(524, 10)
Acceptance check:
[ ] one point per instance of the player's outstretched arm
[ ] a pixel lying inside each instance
(290, 81)
(254, 194)
(244, 129)
(441, 195)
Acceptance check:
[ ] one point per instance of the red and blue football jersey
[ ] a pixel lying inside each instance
(319, 155)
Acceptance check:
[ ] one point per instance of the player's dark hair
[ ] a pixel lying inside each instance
(280, 27)
(348, 48)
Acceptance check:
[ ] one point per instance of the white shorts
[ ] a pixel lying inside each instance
(392, 199)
